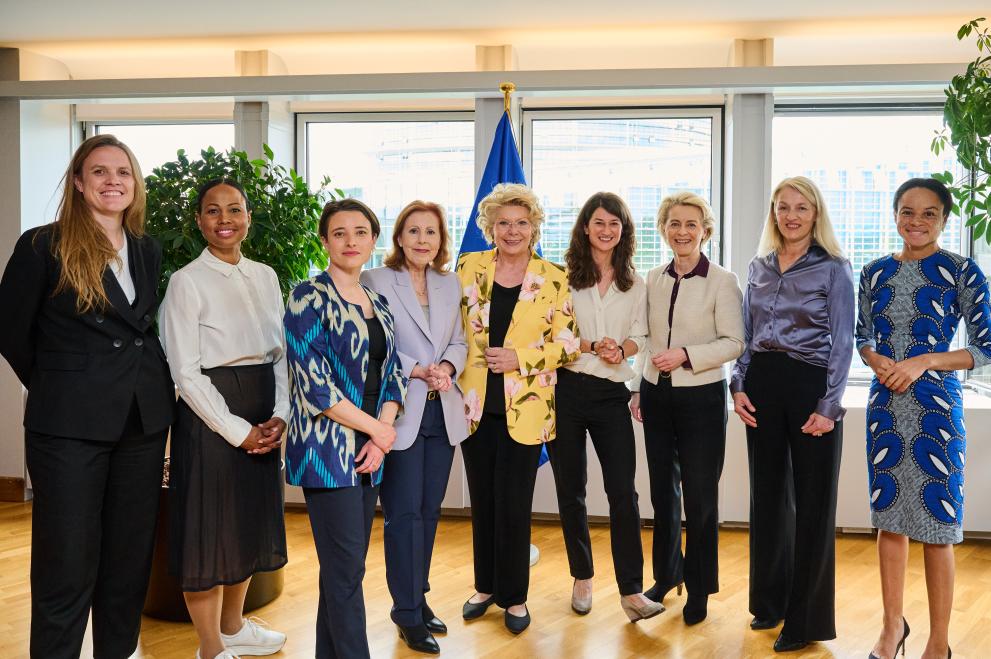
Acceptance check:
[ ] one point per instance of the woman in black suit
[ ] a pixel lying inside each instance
(79, 297)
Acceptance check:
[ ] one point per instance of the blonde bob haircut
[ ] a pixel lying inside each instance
(686, 199)
(510, 194)
(771, 239)
(396, 259)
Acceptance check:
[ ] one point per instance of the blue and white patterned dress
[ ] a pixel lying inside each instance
(916, 441)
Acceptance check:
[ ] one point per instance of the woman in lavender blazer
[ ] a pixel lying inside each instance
(425, 301)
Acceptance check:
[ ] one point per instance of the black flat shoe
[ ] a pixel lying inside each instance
(434, 624)
(785, 644)
(472, 610)
(657, 593)
(419, 639)
(764, 623)
(517, 624)
(696, 609)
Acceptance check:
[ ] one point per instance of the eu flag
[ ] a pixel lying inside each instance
(503, 166)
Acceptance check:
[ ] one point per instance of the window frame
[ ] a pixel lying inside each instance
(303, 119)
(717, 114)
(935, 108)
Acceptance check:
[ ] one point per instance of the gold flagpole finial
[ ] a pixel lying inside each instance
(507, 88)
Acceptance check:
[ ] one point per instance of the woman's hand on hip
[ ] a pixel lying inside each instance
(900, 376)
(369, 459)
(501, 360)
(744, 409)
(635, 406)
(818, 425)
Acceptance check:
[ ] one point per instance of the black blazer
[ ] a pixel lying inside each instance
(83, 372)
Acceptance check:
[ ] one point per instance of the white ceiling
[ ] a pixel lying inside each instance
(50, 20)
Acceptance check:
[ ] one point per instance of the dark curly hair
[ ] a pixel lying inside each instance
(582, 272)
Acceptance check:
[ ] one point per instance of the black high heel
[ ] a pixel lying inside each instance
(901, 643)
(657, 593)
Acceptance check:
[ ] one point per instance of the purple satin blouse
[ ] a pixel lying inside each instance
(807, 313)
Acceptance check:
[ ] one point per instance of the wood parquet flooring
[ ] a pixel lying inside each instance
(556, 632)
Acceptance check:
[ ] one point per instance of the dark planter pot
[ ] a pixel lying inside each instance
(164, 599)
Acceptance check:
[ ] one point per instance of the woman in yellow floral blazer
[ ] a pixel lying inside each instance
(520, 329)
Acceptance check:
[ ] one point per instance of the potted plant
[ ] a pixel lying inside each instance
(284, 212)
(283, 234)
(967, 118)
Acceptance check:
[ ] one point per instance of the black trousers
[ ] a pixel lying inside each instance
(92, 534)
(501, 474)
(412, 490)
(685, 437)
(586, 403)
(793, 486)
(341, 520)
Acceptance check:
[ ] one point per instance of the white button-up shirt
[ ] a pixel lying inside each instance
(218, 314)
(618, 315)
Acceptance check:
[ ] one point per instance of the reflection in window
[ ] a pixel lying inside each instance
(155, 144)
(858, 161)
(640, 159)
(387, 164)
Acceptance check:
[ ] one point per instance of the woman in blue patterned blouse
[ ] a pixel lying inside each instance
(347, 389)
(911, 304)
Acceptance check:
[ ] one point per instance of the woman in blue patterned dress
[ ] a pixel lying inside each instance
(347, 388)
(911, 303)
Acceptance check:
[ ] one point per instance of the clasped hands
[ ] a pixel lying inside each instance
(437, 376)
(381, 437)
(608, 350)
(264, 437)
(896, 376)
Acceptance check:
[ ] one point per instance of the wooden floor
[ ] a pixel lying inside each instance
(556, 631)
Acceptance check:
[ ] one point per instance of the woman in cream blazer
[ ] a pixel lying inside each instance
(520, 327)
(695, 319)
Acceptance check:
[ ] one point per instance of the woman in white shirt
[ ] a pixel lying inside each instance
(696, 326)
(221, 322)
(610, 306)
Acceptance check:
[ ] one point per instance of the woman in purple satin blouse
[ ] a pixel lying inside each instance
(787, 387)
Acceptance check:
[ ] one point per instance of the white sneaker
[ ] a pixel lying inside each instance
(223, 655)
(254, 639)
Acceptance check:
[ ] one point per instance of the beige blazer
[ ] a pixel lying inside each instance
(707, 322)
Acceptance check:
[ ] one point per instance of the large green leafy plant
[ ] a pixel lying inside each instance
(967, 115)
(284, 212)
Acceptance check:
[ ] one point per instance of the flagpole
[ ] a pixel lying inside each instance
(507, 88)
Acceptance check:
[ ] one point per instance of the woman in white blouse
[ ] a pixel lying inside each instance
(695, 313)
(221, 322)
(610, 307)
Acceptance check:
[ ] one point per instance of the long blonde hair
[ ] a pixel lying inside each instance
(78, 242)
(771, 239)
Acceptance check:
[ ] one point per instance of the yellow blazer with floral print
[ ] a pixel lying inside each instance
(543, 332)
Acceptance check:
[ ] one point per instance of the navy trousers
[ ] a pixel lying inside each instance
(412, 489)
(341, 520)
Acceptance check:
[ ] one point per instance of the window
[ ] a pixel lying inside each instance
(640, 155)
(388, 160)
(155, 144)
(858, 160)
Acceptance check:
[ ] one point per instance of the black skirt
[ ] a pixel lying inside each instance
(226, 505)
